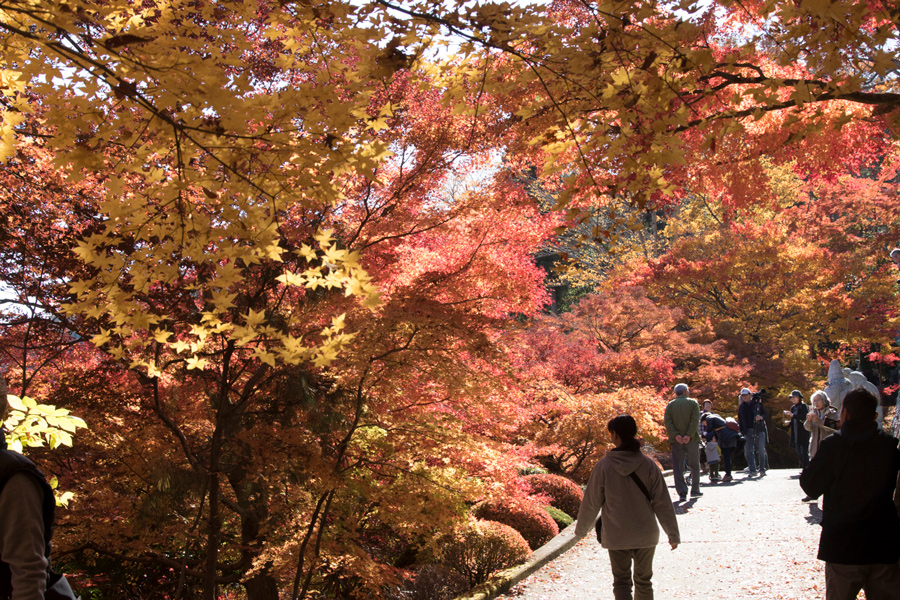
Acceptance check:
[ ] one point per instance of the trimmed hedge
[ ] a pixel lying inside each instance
(564, 494)
(478, 549)
(561, 519)
(524, 515)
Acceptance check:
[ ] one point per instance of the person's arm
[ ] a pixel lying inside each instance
(818, 476)
(809, 424)
(897, 495)
(22, 536)
(590, 505)
(663, 507)
(670, 422)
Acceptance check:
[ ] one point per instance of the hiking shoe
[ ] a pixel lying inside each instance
(751, 474)
(682, 497)
(696, 494)
(727, 478)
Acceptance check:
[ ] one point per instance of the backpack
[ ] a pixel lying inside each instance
(731, 424)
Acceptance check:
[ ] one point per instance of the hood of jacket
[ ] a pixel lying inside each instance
(624, 462)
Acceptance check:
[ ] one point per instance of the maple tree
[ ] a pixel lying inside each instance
(298, 306)
(233, 463)
(785, 292)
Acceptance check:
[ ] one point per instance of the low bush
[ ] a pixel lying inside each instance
(564, 494)
(435, 582)
(561, 519)
(522, 514)
(478, 549)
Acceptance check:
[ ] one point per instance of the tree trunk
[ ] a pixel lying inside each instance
(261, 587)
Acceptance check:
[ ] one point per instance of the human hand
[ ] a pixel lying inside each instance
(685, 439)
(813, 418)
(673, 544)
(759, 417)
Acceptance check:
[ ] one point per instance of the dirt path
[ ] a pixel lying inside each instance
(751, 538)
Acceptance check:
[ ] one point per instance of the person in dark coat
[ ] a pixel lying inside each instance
(752, 421)
(799, 434)
(856, 470)
(727, 439)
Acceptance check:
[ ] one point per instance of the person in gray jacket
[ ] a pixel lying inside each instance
(628, 515)
(26, 518)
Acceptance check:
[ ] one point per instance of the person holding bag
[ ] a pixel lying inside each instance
(628, 491)
(821, 421)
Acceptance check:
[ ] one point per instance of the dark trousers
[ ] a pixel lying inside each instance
(726, 459)
(803, 454)
(880, 582)
(620, 561)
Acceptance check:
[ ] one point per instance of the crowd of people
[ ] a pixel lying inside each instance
(844, 454)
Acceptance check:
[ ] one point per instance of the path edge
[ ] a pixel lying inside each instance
(502, 581)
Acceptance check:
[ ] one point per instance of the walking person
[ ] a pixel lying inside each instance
(856, 470)
(627, 490)
(799, 433)
(821, 421)
(682, 418)
(752, 422)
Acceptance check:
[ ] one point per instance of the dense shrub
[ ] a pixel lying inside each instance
(435, 582)
(478, 549)
(561, 519)
(531, 470)
(564, 493)
(524, 515)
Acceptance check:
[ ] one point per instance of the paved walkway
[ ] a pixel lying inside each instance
(750, 538)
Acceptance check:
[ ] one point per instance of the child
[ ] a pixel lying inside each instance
(712, 456)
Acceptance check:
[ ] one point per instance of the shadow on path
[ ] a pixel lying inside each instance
(815, 514)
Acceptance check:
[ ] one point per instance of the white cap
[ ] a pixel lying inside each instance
(746, 391)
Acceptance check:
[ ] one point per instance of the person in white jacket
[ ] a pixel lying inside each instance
(628, 516)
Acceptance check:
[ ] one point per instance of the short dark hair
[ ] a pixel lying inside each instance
(860, 405)
(625, 427)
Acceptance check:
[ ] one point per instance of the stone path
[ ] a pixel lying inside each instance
(750, 538)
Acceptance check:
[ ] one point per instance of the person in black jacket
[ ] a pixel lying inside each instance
(799, 434)
(856, 470)
(752, 421)
(726, 438)
(26, 526)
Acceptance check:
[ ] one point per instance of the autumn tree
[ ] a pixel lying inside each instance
(274, 252)
(243, 437)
